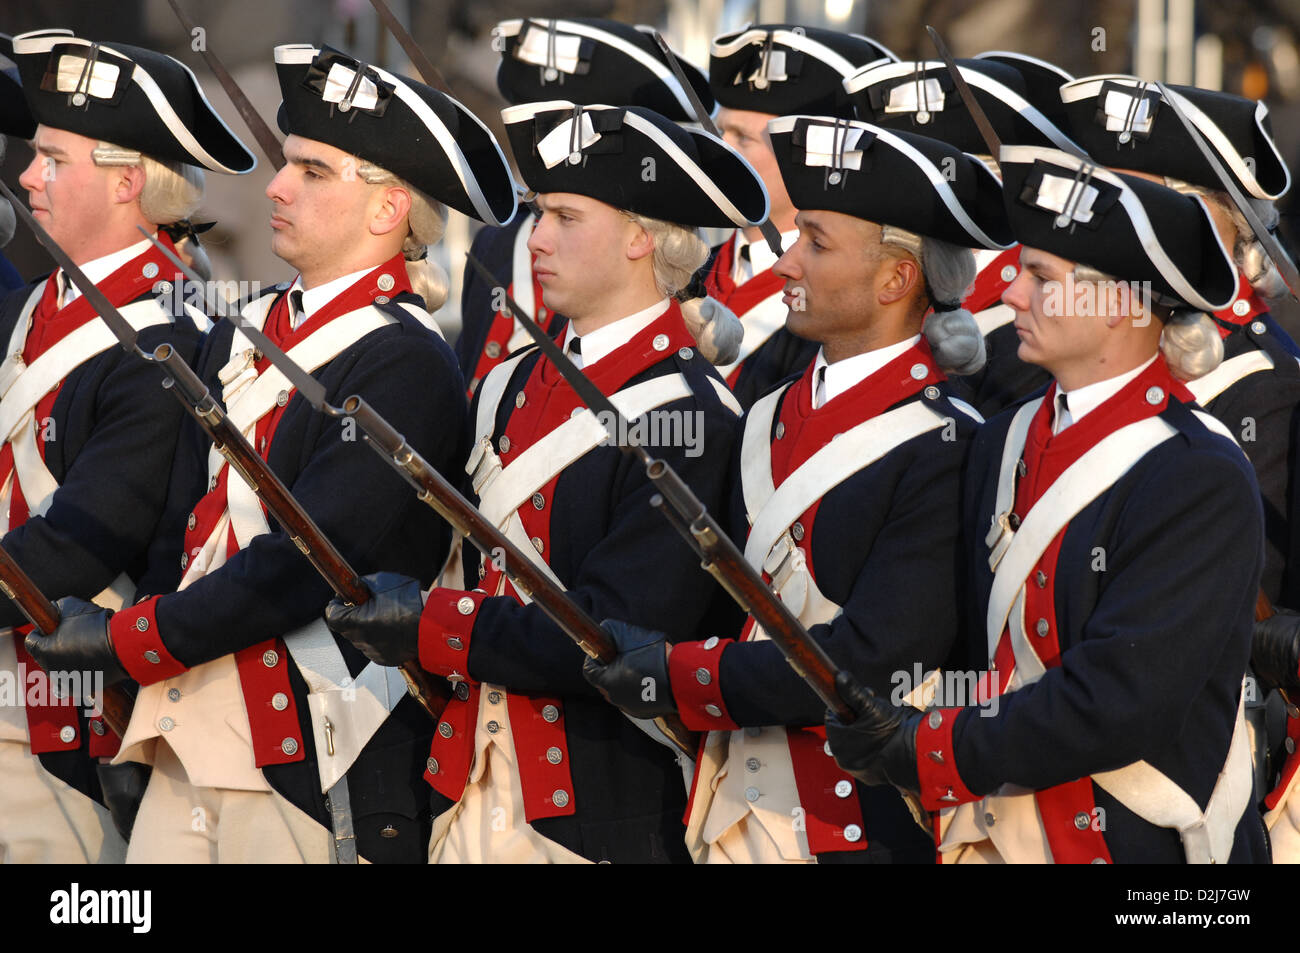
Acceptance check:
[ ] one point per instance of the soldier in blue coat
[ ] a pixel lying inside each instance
(1113, 610)
(90, 431)
(281, 740)
(529, 761)
(847, 500)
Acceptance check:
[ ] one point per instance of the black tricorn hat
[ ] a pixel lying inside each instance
(890, 178)
(1127, 227)
(1043, 81)
(412, 130)
(635, 159)
(126, 95)
(15, 118)
(921, 97)
(786, 70)
(588, 60)
(1126, 123)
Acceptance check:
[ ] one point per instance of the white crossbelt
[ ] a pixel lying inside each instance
(1147, 792)
(1211, 385)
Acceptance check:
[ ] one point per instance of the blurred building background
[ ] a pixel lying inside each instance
(1249, 47)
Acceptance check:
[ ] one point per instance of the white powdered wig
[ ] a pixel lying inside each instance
(679, 252)
(949, 271)
(426, 222)
(172, 192)
(1191, 344)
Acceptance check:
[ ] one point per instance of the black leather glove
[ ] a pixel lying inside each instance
(123, 788)
(1275, 650)
(387, 628)
(879, 747)
(637, 680)
(79, 644)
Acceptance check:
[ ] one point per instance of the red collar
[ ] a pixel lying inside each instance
(806, 430)
(664, 335)
(120, 288)
(992, 281)
(365, 291)
(739, 298)
(1245, 307)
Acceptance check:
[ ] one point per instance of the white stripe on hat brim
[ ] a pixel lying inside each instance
(296, 54)
(1090, 87)
(657, 68)
(1138, 218)
(796, 41)
(524, 112)
(886, 71)
(47, 40)
(941, 184)
(993, 55)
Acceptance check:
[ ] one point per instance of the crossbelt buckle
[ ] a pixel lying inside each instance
(483, 465)
(783, 561)
(999, 537)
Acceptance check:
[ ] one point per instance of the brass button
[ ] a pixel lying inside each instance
(752, 764)
(853, 833)
(185, 560)
(279, 701)
(780, 429)
(703, 676)
(711, 642)
(270, 658)
(192, 522)
(282, 398)
(455, 644)
(445, 729)
(495, 697)
(1042, 628)
(931, 393)
(797, 532)
(97, 726)
(142, 624)
(752, 795)
(843, 788)
(1082, 820)
(386, 282)
(173, 694)
(554, 755)
(538, 544)
(936, 719)
(67, 734)
(462, 691)
(660, 343)
(289, 746)
(389, 831)
(539, 501)
(550, 714)
(504, 444)
(465, 606)
(166, 724)
(919, 371)
(493, 727)
(560, 798)
(493, 349)
(520, 400)
(1040, 577)
(432, 765)
(152, 657)
(713, 710)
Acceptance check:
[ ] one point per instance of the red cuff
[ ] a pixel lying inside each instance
(693, 669)
(445, 630)
(936, 766)
(138, 644)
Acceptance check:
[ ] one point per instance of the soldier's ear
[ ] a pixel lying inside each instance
(393, 208)
(641, 243)
(128, 183)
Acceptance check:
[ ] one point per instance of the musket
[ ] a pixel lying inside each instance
(423, 65)
(252, 119)
(718, 554)
(115, 704)
(434, 489)
(770, 234)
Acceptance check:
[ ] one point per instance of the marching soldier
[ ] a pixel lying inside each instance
(123, 136)
(530, 763)
(271, 740)
(757, 74)
(1019, 96)
(581, 60)
(1121, 734)
(849, 496)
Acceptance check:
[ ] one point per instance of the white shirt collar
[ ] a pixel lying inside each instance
(840, 376)
(761, 257)
(1091, 396)
(100, 268)
(604, 340)
(321, 295)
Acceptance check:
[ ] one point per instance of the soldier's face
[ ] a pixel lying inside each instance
(1059, 327)
(68, 194)
(580, 258)
(322, 208)
(830, 275)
